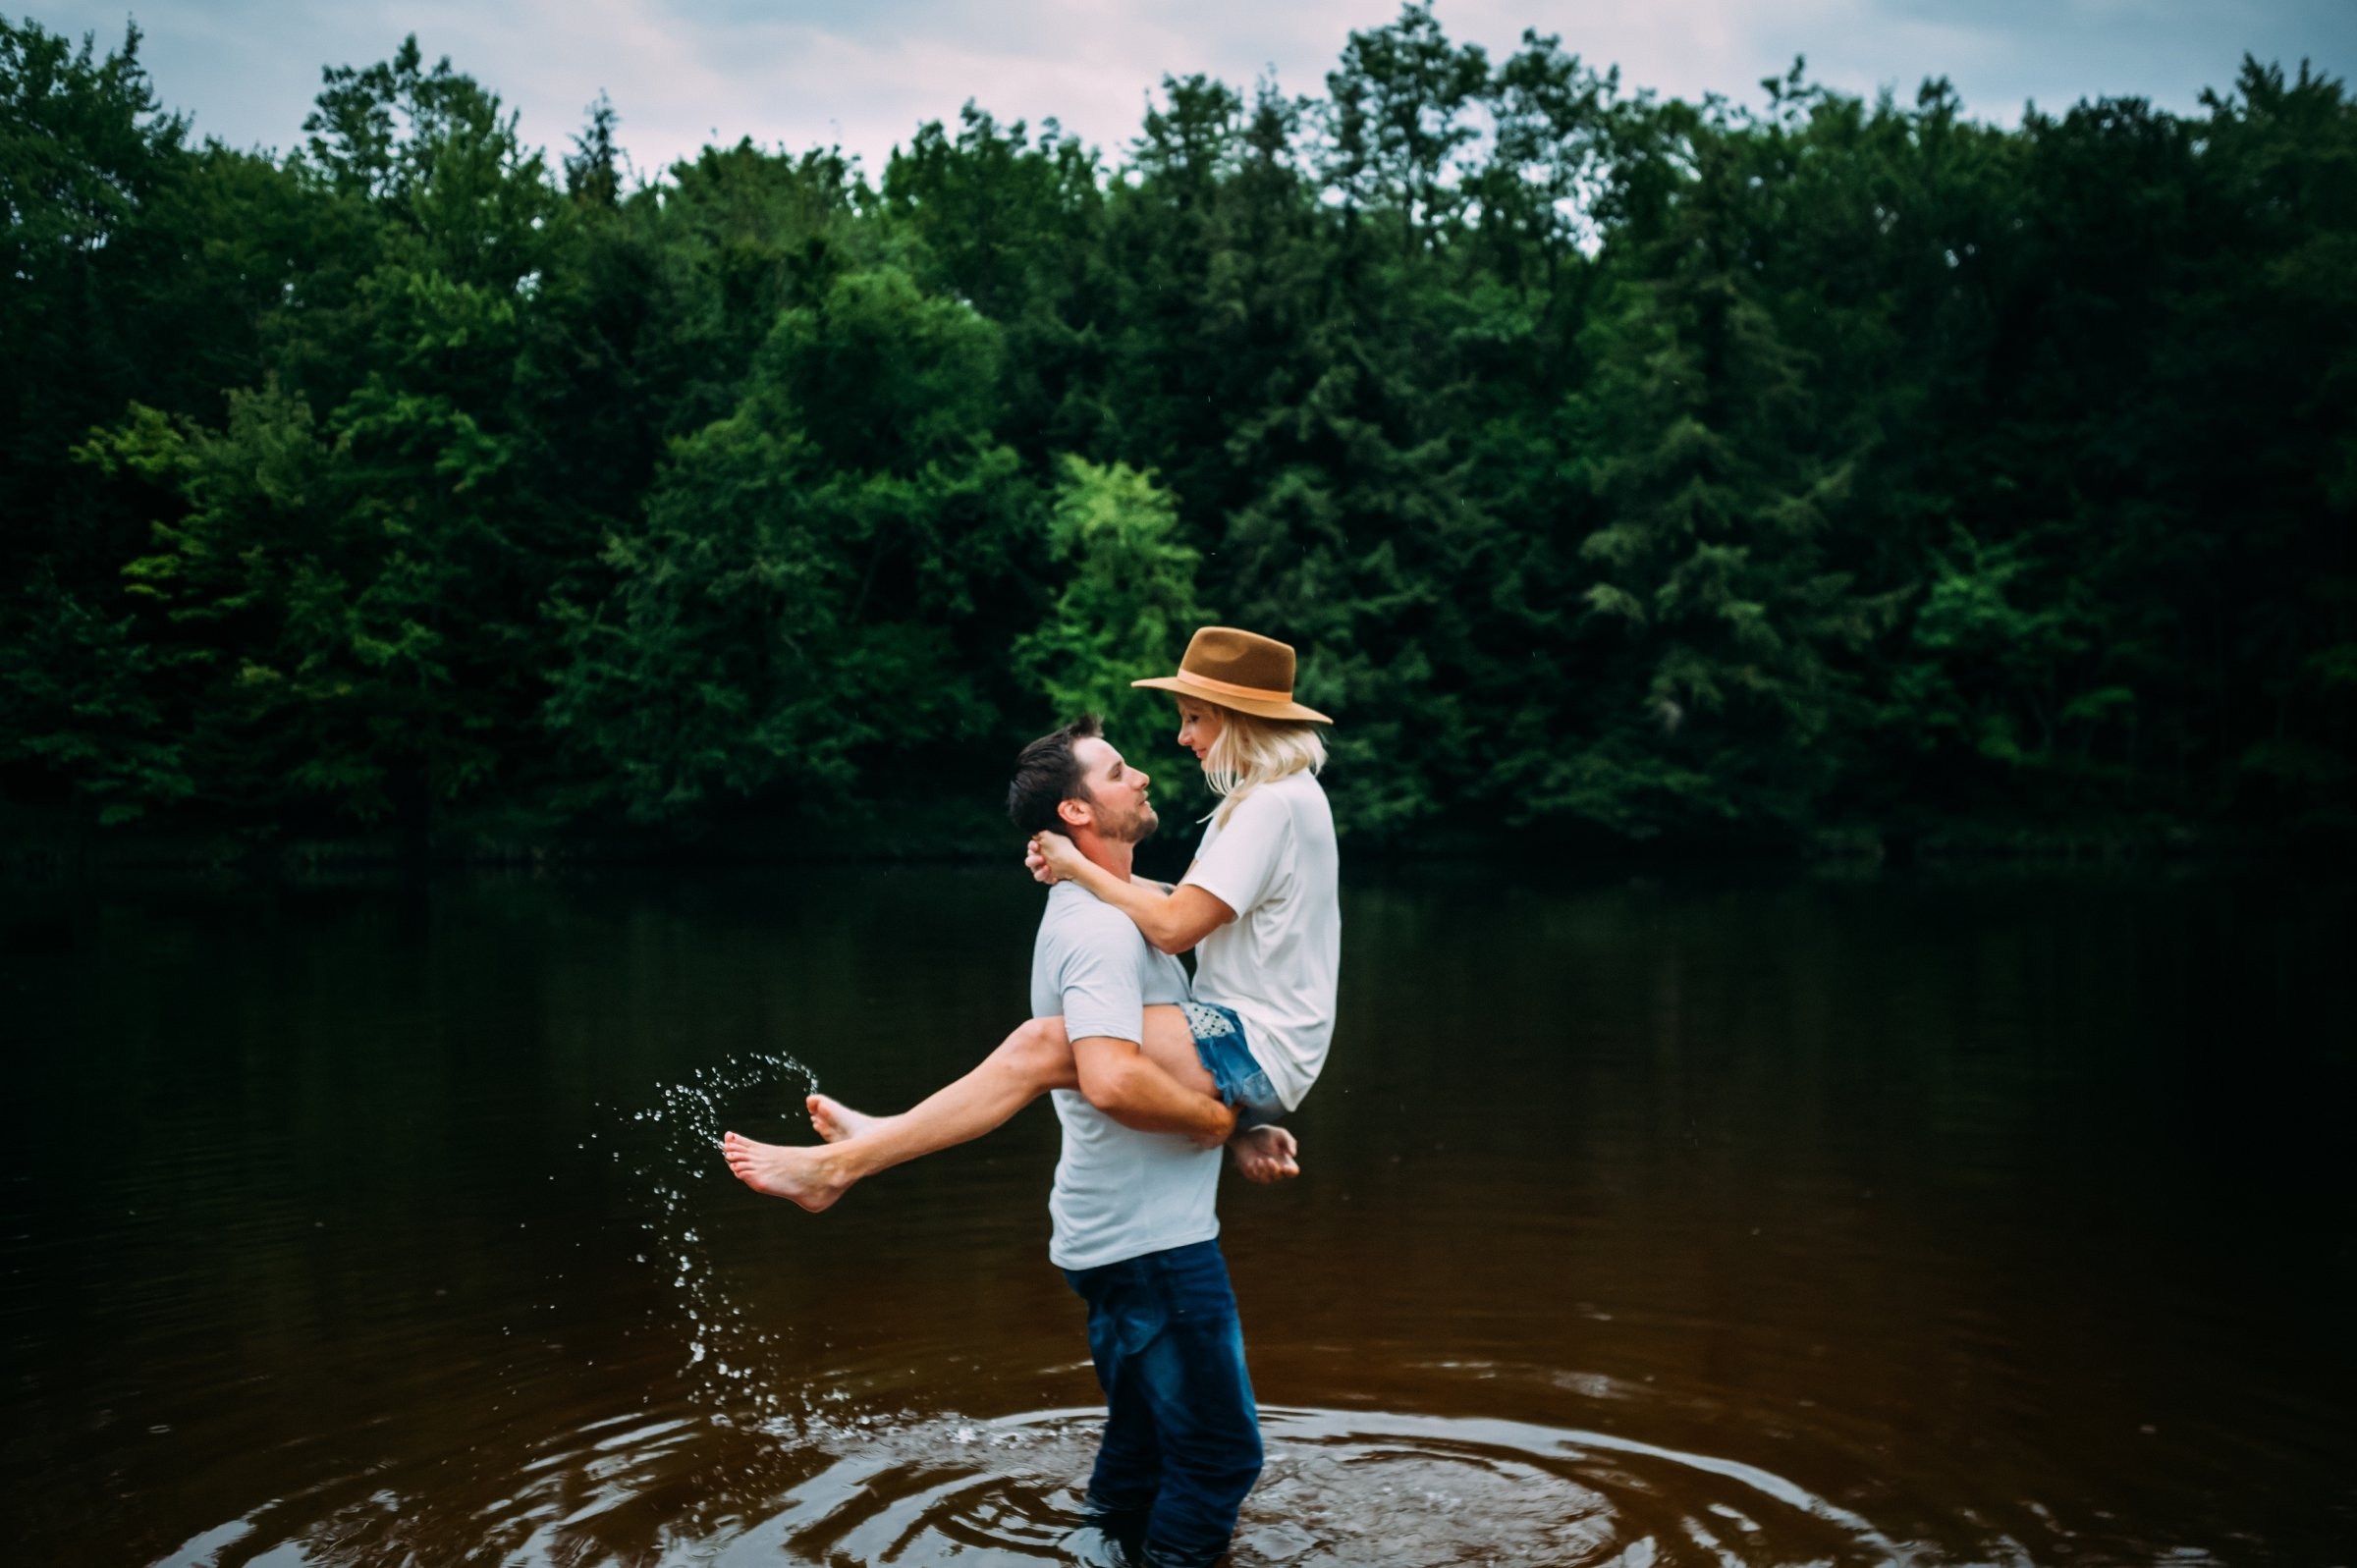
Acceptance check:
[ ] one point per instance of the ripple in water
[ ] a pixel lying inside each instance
(1341, 1488)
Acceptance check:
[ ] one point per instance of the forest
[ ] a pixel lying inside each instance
(1785, 472)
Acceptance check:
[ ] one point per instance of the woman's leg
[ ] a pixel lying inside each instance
(1171, 1045)
(1267, 1154)
(1036, 1058)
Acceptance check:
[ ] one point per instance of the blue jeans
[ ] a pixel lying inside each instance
(1182, 1442)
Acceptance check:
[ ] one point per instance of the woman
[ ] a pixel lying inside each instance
(1258, 905)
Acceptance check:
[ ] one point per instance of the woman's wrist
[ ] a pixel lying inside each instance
(1072, 866)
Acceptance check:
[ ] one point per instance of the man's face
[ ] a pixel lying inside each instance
(1116, 792)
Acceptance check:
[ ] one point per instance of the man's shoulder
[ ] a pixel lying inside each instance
(1078, 919)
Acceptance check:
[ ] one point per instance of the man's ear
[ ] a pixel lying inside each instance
(1074, 812)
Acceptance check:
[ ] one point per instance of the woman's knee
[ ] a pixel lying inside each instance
(1040, 1052)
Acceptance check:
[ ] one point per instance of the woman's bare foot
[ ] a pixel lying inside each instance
(806, 1175)
(1265, 1155)
(836, 1121)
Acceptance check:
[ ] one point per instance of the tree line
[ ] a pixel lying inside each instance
(1625, 469)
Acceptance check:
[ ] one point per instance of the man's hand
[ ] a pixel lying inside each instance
(1218, 1126)
(1059, 854)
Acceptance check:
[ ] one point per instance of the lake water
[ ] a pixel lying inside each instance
(1674, 1220)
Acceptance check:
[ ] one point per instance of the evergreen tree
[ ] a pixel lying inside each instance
(801, 600)
(1727, 634)
(1127, 606)
(1619, 467)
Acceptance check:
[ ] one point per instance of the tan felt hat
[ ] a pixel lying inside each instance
(1239, 670)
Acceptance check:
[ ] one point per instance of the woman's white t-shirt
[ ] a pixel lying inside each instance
(1272, 861)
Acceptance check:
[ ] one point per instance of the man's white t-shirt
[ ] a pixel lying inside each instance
(1119, 1193)
(1272, 861)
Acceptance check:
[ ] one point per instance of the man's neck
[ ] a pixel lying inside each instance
(1113, 857)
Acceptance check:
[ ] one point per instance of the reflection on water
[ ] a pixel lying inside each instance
(1681, 1222)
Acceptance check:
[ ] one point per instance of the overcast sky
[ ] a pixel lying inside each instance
(863, 73)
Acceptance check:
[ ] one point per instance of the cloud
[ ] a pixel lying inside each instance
(865, 73)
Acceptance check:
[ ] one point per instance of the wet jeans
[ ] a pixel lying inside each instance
(1182, 1436)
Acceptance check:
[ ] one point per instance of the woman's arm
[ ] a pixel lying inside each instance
(1173, 921)
(1037, 865)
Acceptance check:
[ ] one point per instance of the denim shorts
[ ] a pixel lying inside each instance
(1242, 1084)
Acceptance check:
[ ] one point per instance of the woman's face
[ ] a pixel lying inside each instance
(1198, 727)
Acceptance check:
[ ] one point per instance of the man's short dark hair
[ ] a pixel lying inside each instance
(1047, 775)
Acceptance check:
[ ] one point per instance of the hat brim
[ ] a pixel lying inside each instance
(1257, 707)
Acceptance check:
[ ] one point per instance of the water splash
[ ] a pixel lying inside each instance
(673, 1150)
(795, 1469)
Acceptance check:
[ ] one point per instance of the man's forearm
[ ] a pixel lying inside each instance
(1118, 1079)
(1145, 1099)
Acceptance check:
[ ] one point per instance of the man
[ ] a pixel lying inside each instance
(1134, 1225)
(1132, 1207)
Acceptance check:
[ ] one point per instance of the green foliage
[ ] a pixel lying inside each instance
(1619, 466)
(793, 612)
(76, 701)
(1718, 478)
(290, 674)
(1988, 667)
(1128, 607)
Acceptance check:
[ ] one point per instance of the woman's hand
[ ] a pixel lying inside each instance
(1058, 854)
(1037, 864)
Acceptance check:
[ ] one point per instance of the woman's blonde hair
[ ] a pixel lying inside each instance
(1252, 751)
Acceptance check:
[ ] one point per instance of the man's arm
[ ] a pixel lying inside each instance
(1119, 1080)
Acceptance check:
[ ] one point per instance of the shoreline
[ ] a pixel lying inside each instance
(44, 850)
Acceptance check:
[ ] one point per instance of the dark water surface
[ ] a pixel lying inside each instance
(1681, 1222)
